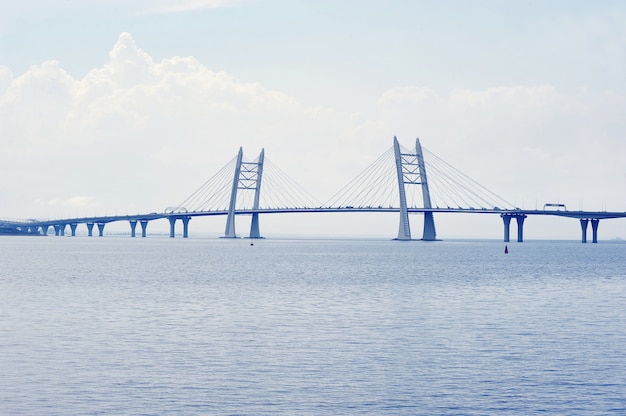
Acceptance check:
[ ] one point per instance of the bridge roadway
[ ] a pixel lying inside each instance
(40, 227)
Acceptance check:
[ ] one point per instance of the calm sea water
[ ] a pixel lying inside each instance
(116, 325)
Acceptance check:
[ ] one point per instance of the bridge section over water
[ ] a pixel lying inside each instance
(401, 180)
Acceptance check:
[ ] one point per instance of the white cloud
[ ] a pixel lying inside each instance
(133, 128)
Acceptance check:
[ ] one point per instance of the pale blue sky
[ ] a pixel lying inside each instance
(340, 51)
(526, 97)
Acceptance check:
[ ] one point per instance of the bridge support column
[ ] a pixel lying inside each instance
(230, 219)
(144, 226)
(411, 170)
(172, 226)
(73, 228)
(583, 226)
(507, 226)
(90, 229)
(62, 229)
(594, 229)
(133, 225)
(520, 227)
(429, 234)
(506, 218)
(185, 226)
(100, 229)
(429, 227)
(255, 231)
(44, 229)
(404, 229)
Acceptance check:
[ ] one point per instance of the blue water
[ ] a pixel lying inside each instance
(116, 325)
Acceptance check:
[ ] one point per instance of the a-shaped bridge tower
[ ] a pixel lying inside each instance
(411, 170)
(235, 190)
(248, 176)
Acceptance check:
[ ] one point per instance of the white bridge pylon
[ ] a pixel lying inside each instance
(237, 187)
(411, 170)
(412, 181)
(248, 175)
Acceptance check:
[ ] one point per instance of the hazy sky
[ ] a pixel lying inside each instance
(129, 106)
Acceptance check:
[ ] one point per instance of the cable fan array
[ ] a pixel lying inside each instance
(451, 188)
(377, 187)
(214, 194)
(374, 187)
(278, 190)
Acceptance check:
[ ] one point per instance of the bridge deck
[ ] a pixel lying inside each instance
(154, 216)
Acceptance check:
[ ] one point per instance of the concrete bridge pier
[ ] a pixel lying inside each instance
(594, 229)
(90, 229)
(255, 231)
(73, 228)
(172, 226)
(44, 229)
(429, 227)
(506, 218)
(185, 221)
(133, 225)
(520, 227)
(144, 226)
(583, 226)
(59, 229)
(185, 226)
(101, 229)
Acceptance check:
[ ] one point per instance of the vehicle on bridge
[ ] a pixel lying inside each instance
(554, 206)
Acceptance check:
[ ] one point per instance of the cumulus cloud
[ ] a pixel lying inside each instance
(137, 135)
(161, 128)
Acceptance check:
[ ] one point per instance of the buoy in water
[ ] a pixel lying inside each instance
(506, 250)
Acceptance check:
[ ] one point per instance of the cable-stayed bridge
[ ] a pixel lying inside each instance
(401, 180)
